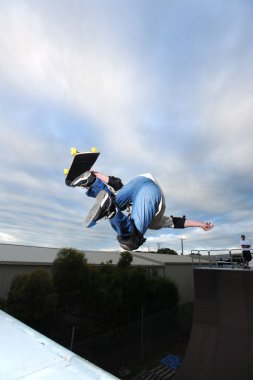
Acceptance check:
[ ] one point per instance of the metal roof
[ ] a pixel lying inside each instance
(160, 258)
(27, 354)
(11, 253)
(23, 254)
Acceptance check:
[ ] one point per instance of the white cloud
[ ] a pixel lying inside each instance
(7, 238)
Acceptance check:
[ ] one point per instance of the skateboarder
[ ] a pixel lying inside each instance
(147, 202)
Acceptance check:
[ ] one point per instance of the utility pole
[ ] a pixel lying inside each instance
(182, 245)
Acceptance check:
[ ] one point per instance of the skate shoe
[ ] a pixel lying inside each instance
(103, 208)
(85, 180)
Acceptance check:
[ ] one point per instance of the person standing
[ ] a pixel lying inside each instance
(246, 254)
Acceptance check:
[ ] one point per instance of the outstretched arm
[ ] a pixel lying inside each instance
(206, 226)
(184, 223)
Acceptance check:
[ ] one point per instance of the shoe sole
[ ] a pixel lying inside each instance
(80, 179)
(93, 213)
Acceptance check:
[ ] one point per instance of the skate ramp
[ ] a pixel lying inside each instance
(28, 355)
(221, 342)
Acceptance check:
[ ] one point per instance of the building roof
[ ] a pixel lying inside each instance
(29, 255)
(164, 258)
(27, 354)
(11, 253)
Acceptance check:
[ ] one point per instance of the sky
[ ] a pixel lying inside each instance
(159, 86)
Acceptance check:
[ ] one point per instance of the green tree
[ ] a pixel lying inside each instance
(139, 289)
(106, 292)
(122, 290)
(134, 288)
(32, 298)
(125, 259)
(167, 251)
(162, 291)
(70, 276)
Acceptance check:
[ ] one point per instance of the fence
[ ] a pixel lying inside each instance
(210, 257)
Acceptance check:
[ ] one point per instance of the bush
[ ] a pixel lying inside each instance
(31, 297)
(70, 277)
(125, 260)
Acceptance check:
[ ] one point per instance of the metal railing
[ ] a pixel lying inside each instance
(210, 257)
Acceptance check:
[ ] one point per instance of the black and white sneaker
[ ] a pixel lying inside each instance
(86, 180)
(103, 208)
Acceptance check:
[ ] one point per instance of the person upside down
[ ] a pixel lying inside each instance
(145, 198)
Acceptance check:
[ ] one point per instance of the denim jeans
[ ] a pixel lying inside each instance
(142, 193)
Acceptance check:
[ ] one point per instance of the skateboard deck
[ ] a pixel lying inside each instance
(82, 162)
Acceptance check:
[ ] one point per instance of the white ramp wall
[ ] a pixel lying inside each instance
(28, 355)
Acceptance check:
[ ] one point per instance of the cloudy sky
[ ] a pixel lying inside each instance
(160, 86)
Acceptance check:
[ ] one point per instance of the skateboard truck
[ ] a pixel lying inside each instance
(74, 151)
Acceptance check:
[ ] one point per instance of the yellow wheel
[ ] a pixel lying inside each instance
(73, 151)
(93, 149)
(66, 171)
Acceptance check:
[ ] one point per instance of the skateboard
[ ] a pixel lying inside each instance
(82, 161)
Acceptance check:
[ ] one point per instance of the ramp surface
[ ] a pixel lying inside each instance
(28, 355)
(221, 342)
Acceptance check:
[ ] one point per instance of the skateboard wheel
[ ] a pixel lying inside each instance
(93, 149)
(73, 151)
(66, 171)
